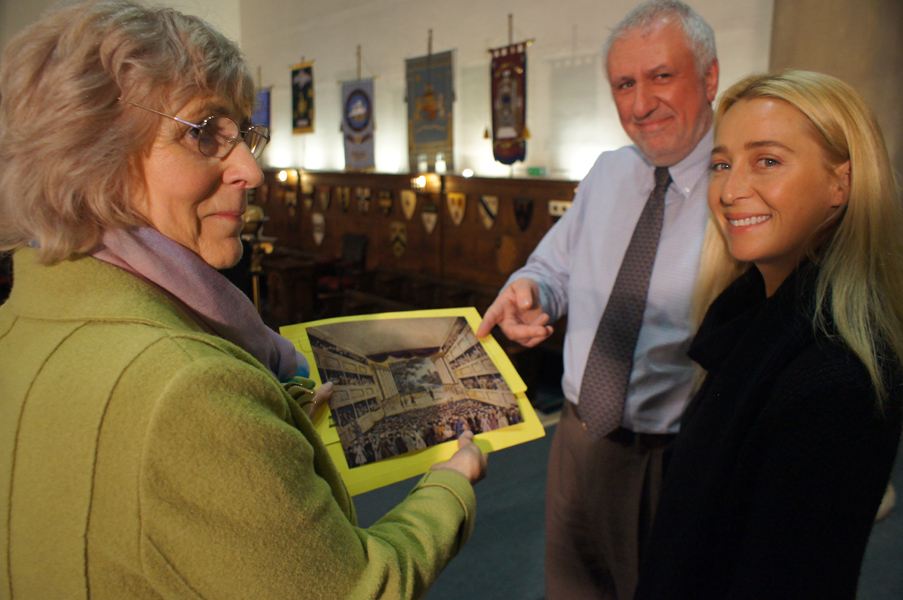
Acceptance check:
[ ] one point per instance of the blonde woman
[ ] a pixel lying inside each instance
(786, 449)
(154, 437)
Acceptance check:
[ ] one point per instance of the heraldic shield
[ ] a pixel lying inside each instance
(319, 226)
(385, 201)
(291, 201)
(398, 238)
(430, 215)
(523, 212)
(363, 199)
(456, 205)
(344, 198)
(489, 209)
(408, 203)
(506, 257)
(325, 197)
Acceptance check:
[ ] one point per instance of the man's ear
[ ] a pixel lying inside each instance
(711, 82)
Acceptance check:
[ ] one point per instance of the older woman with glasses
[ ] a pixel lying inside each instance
(154, 440)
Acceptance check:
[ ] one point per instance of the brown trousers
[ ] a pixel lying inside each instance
(600, 502)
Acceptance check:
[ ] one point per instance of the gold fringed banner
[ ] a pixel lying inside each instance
(509, 102)
(303, 98)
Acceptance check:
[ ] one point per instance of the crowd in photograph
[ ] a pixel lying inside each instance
(485, 382)
(346, 378)
(423, 427)
(347, 415)
(473, 353)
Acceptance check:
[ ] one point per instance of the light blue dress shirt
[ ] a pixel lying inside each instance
(576, 264)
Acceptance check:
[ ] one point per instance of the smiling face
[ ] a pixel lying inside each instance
(193, 199)
(772, 189)
(663, 103)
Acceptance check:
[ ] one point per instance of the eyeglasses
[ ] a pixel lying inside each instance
(217, 135)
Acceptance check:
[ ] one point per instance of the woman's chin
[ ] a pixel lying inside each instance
(224, 255)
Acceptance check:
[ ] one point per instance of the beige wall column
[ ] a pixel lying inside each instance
(860, 42)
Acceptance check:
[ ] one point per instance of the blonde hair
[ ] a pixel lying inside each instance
(861, 261)
(69, 150)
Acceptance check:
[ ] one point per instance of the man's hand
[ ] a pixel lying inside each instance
(518, 313)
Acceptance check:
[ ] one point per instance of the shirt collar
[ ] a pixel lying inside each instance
(692, 171)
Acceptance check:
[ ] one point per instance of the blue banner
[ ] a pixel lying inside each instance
(430, 94)
(261, 114)
(357, 124)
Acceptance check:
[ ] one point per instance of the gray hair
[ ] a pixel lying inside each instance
(70, 152)
(700, 37)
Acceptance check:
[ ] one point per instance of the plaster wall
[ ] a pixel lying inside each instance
(570, 114)
(17, 14)
(860, 42)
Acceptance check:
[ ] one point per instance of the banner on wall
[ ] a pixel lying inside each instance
(430, 94)
(261, 114)
(509, 102)
(357, 124)
(303, 98)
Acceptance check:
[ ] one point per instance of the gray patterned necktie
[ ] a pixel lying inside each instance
(604, 387)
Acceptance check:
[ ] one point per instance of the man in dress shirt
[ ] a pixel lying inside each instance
(601, 496)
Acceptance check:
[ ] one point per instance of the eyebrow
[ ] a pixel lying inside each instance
(659, 68)
(645, 73)
(213, 109)
(752, 145)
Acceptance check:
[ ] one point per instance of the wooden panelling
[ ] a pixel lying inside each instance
(469, 252)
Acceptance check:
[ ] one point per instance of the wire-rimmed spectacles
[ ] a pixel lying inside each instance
(217, 135)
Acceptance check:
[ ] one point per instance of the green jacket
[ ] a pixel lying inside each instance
(144, 458)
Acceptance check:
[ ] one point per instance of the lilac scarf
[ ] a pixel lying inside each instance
(216, 304)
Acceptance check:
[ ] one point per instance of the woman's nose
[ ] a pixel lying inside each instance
(243, 168)
(735, 187)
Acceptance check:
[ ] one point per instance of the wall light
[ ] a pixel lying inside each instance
(430, 183)
(289, 176)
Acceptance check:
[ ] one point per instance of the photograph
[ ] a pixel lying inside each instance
(402, 385)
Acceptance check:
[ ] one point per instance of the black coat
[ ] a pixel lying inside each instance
(773, 483)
